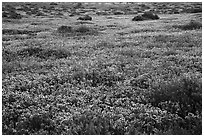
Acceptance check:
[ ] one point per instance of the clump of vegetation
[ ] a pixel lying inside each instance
(77, 30)
(86, 17)
(150, 15)
(10, 12)
(4, 14)
(83, 22)
(78, 5)
(182, 97)
(44, 53)
(83, 29)
(53, 3)
(8, 8)
(13, 15)
(8, 55)
(64, 29)
(104, 44)
(118, 12)
(40, 14)
(138, 18)
(195, 10)
(189, 26)
(16, 31)
(146, 16)
(185, 92)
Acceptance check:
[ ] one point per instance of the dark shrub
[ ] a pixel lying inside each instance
(34, 11)
(83, 29)
(64, 29)
(56, 53)
(150, 15)
(29, 13)
(193, 25)
(78, 5)
(105, 44)
(40, 14)
(44, 53)
(87, 17)
(156, 17)
(10, 31)
(190, 26)
(141, 82)
(146, 16)
(51, 8)
(96, 78)
(195, 10)
(53, 3)
(181, 96)
(118, 13)
(78, 30)
(138, 18)
(30, 51)
(14, 15)
(26, 8)
(9, 8)
(176, 12)
(7, 31)
(101, 13)
(8, 55)
(71, 15)
(16, 31)
(59, 14)
(83, 22)
(44, 7)
(5, 14)
(9, 66)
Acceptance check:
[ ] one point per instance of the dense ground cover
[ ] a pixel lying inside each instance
(106, 76)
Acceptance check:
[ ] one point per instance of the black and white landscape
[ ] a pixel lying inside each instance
(120, 68)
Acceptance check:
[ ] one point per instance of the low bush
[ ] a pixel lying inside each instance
(14, 15)
(64, 29)
(146, 16)
(150, 15)
(8, 55)
(182, 96)
(138, 18)
(17, 31)
(9, 8)
(40, 14)
(97, 78)
(77, 30)
(28, 12)
(83, 22)
(118, 13)
(189, 26)
(5, 14)
(104, 44)
(87, 17)
(83, 29)
(44, 53)
(195, 10)
(53, 3)
(9, 67)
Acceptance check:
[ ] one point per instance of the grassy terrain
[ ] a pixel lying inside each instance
(110, 75)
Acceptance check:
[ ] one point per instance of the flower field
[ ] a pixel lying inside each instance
(107, 76)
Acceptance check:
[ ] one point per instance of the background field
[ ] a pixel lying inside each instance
(110, 75)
